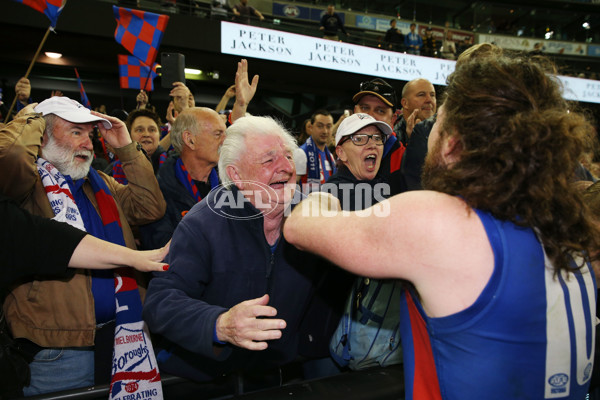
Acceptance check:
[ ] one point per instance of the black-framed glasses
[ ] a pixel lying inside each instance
(361, 139)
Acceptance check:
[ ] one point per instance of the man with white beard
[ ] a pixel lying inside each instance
(45, 157)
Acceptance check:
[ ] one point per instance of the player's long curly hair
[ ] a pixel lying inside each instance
(519, 143)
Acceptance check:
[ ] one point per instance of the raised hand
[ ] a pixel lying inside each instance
(118, 135)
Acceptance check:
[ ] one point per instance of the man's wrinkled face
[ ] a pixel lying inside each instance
(267, 173)
(320, 130)
(420, 96)
(362, 161)
(145, 131)
(210, 138)
(375, 107)
(69, 148)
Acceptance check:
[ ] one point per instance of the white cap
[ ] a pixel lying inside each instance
(69, 110)
(356, 122)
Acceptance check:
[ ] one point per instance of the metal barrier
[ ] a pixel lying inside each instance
(378, 383)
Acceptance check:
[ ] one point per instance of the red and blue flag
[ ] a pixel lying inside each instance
(84, 99)
(52, 8)
(140, 32)
(133, 74)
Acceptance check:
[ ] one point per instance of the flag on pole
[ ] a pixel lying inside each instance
(84, 99)
(52, 8)
(133, 74)
(140, 32)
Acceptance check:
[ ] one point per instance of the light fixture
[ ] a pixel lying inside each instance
(586, 25)
(192, 71)
(215, 75)
(548, 35)
(51, 54)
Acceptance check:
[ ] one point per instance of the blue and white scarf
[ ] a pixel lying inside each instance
(134, 369)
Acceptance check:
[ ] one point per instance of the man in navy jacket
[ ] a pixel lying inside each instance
(236, 291)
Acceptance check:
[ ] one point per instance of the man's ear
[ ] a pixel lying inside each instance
(403, 101)
(394, 119)
(234, 175)
(45, 139)
(189, 139)
(452, 148)
(309, 128)
(341, 153)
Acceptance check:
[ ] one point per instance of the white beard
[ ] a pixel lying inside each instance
(63, 159)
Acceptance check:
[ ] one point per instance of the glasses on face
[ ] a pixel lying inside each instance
(360, 139)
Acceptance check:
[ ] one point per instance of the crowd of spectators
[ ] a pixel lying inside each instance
(426, 44)
(240, 298)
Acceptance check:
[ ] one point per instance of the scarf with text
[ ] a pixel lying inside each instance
(186, 180)
(313, 162)
(134, 368)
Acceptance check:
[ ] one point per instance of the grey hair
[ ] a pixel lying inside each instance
(186, 121)
(50, 121)
(234, 146)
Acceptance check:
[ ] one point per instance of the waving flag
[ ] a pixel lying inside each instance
(140, 32)
(52, 8)
(135, 75)
(84, 99)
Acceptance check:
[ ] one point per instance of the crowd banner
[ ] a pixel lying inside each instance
(250, 41)
(267, 44)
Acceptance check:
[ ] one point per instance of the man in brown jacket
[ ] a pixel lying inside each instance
(59, 321)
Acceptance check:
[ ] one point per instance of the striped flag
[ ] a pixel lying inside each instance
(140, 32)
(133, 74)
(84, 99)
(52, 8)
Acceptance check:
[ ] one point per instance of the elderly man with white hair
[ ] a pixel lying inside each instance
(236, 292)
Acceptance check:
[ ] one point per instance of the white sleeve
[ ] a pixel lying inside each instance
(300, 161)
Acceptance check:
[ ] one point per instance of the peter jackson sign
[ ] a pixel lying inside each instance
(250, 41)
(267, 44)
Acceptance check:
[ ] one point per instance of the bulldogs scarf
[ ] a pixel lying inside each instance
(186, 180)
(134, 369)
(313, 163)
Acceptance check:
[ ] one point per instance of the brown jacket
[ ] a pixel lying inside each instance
(60, 313)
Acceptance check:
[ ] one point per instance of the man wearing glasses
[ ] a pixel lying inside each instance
(377, 98)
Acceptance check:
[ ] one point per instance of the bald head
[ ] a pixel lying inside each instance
(418, 94)
(188, 131)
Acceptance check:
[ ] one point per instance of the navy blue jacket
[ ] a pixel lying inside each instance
(414, 156)
(179, 200)
(218, 258)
